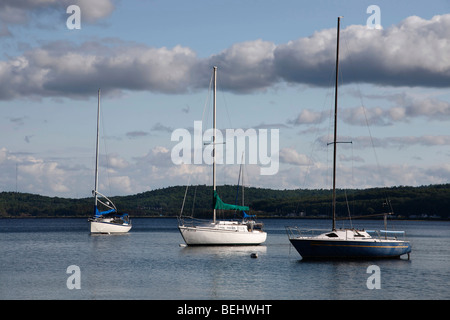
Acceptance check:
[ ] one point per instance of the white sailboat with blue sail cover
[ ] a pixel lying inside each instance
(346, 243)
(109, 220)
(221, 232)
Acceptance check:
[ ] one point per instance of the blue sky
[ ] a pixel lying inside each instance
(153, 61)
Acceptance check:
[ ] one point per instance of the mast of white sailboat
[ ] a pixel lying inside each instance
(214, 139)
(335, 124)
(242, 174)
(97, 150)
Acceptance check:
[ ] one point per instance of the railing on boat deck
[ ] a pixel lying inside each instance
(188, 221)
(191, 221)
(295, 232)
(383, 234)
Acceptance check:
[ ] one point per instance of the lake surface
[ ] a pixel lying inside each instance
(149, 263)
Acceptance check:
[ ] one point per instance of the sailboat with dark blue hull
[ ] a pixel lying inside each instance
(349, 244)
(346, 243)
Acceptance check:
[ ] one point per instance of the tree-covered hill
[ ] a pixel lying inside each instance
(407, 202)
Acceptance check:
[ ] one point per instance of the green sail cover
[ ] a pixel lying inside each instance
(219, 204)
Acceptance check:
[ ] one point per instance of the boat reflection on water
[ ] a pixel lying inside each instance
(234, 251)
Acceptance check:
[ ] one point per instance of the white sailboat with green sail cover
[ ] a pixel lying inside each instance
(221, 232)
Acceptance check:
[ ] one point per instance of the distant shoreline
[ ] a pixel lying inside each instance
(258, 218)
(401, 203)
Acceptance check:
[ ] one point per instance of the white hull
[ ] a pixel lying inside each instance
(222, 233)
(100, 223)
(106, 227)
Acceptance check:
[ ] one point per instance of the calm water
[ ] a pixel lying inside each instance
(148, 263)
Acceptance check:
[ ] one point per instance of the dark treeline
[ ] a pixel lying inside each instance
(425, 202)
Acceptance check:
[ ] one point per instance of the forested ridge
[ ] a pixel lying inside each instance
(424, 202)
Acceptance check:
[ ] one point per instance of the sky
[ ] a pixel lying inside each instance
(153, 62)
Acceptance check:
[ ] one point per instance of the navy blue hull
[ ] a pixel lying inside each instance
(342, 249)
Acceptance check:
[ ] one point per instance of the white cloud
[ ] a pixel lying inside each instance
(291, 156)
(62, 69)
(245, 66)
(412, 53)
(34, 175)
(363, 142)
(155, 170)
(93, 10)
(118, 185)
(405, 109)
(113, 161)
(307, 116)
(427, 140)
(158, 156)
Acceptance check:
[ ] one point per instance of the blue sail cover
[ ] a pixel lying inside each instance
(101, 213)
(248, 215)
(387, 231)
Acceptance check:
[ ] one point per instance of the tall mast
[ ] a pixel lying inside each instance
(335, 124)
(97, 149)
(214, 138)
(242, 174)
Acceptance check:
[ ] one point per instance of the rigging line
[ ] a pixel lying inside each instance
(341, 77)
(348, 209)
(105, 147)
(208, 97)
(316, 140)
(222, 95)
(317, 131)
(205, 114)
(239, 180)
(369, 131)
(185, 193)
(245, 182)
(331, 124)
(243, 185)
(193, 201)
(365, 114)
(205, 108)
(353, 179)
